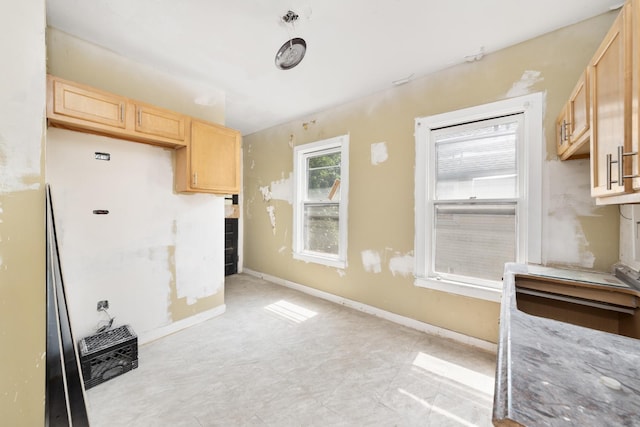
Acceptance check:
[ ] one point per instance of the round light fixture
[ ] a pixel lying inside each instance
(291, 53)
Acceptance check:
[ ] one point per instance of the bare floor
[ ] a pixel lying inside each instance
(279, 357)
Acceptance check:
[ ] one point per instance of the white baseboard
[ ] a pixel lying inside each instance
(396, 318)
(179, 325)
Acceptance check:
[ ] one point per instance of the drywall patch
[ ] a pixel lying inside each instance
(207, 100)
(253, 164)
(379, 153)
(371, 261)
(195, 269)
(282, 249)
(279, 190)
(402, 264)
(568, 244)
(266, 193)
(527, 81)
(19, 162)
(271, 210)
(569, 199)
(341, 272)
(283, 189)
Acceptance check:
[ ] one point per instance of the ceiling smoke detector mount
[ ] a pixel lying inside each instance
(291, 53)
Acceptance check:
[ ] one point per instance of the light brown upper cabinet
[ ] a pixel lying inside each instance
(613, 158)
(207, 155)
(79, 107)
(162, 123)
(572, 125)
(211, 162)
(75, 103)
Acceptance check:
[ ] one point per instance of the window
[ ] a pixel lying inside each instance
(478, 180)
(320, 207)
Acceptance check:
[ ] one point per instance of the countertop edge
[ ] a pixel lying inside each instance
(531, 349)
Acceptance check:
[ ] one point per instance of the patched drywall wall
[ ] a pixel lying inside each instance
(153, 256)
(158, 256)
(576, 231)
(22, 228)
(381, 194)
(630, 236)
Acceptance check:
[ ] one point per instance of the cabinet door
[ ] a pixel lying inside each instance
(215, 158)
(610, 110)
(635, 95)
(578, 111)
(86, 104)
(158, 122)
(562, 137)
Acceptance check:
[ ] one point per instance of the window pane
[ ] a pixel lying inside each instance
(323, 177)
(474, 240)
(321, 228)
(478, 163)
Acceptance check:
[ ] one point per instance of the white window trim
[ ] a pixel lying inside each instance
(531, 172)
(299, 154)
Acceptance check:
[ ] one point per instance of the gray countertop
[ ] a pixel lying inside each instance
(551, 373)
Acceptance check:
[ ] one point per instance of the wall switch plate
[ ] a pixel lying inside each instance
(103, 305)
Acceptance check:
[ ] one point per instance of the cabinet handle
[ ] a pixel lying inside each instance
(562, 132)
(621, 156)
(620, 162)
(566, 133)
(610, 161)
(195, 179)
(139, 116)
(122, 113)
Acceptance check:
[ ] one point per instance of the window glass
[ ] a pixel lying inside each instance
(323, 174)
(474, 240)
(320, 210)
(321, 228)
(477, 163)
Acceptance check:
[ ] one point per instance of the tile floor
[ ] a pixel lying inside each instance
(279, 357)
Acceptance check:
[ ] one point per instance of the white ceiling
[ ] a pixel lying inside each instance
(354, 47)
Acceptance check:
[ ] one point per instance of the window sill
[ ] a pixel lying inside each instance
(329, 262)
(459, 288)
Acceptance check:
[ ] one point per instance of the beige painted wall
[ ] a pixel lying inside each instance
(80, 61)
(22, 237)
(158, 257)
(381, 198)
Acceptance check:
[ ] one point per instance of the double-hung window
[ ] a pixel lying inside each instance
(321, 171)
(478, 195)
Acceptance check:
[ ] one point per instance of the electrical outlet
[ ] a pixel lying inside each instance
(103, 305)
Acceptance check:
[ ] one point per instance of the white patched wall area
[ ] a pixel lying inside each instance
(153, 247)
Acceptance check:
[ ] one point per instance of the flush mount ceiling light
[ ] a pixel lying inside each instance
(291, 53)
